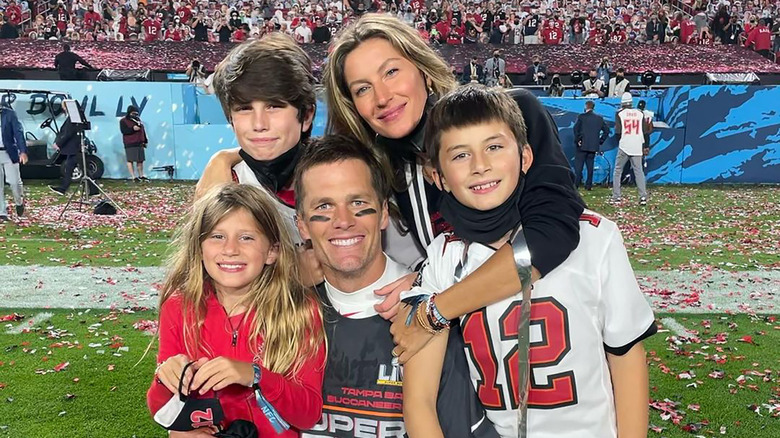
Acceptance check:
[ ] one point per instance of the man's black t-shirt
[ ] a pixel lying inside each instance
(321, 34)
(201, 31)
(224, 34)
(362, 388)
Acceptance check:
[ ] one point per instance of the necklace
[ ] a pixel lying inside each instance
(233, 330)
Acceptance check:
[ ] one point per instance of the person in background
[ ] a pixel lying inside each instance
(760, 39)
(556, 88)
(604, 70)
(135, 140)
(195, 72)
(68, 143)
(619, 84)
(495, 67)
(590, 132)
(65, 63)
(472, 72)
(536, 73)
(13, 151)
(630, 127)
(593, 86)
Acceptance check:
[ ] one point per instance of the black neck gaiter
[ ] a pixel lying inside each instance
(483, 226)
(274, 174)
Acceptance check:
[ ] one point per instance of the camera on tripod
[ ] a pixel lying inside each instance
(87, 186)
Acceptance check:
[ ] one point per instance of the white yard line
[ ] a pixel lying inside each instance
(675, 327)
(106, 287)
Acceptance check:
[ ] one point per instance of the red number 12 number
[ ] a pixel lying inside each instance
(553, 320)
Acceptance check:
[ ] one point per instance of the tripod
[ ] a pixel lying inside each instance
(86, 183)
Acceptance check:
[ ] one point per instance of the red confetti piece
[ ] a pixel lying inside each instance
(61, 366)
(11, 318)
(147, 325)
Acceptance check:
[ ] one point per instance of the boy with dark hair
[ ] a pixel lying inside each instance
(266, 89)
(588, 375)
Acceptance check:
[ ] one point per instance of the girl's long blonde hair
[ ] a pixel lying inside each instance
(281, 308)
(343, 117)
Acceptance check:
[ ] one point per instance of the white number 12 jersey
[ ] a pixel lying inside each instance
(589, 305)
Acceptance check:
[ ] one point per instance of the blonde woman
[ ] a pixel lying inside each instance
(234, 308)
(381, 80)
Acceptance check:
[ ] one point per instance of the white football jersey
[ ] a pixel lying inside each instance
(588, 305)
(632, 135)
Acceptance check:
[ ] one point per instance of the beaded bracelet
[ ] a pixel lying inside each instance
(427, 320)
(422, 320)
(436, 314)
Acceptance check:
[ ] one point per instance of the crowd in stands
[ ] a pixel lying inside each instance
(589, 22)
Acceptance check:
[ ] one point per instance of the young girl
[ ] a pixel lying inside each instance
(234, 307)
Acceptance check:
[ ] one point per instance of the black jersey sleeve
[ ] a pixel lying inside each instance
(551, 206)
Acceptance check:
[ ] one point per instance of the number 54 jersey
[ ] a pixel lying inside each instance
(588, 306)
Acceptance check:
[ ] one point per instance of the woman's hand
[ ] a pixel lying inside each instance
(388, 308)
(408, 339)
(169, 373)
(218, 373)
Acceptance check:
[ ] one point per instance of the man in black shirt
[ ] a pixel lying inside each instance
(590, 132)
(731, 31)
(68, 143)
(224, 31)
(65, 63)
(8, 30)
(200, 27)
(321, 33)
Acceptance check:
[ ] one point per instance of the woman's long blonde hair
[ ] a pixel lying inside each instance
(342, 114)
(281, 308)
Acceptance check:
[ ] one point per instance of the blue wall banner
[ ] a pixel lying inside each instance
(718, 134)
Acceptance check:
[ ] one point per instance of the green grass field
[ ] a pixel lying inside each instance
(80, 372)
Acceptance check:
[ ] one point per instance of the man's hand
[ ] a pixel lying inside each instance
(54, 145)
(169, 373)
(23, 158)
(408, 339)
(388, 308)
(136, 128)
(218, 373)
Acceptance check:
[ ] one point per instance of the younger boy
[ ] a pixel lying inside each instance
(588, 317)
